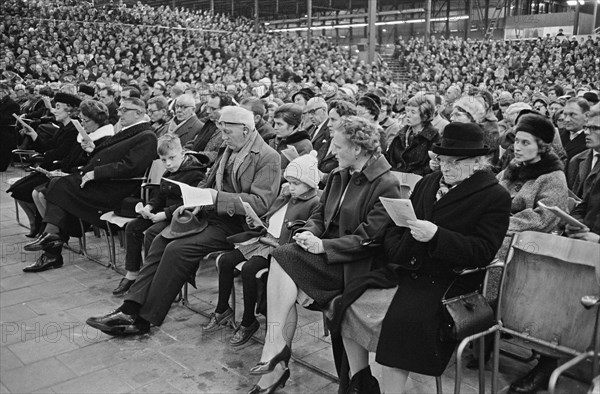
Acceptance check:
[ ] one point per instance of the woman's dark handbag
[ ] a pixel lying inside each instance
(465, 315)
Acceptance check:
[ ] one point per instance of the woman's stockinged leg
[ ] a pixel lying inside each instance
(39, 199)
(358, 356)
(393, 379)
(281, 299)
(281, 322)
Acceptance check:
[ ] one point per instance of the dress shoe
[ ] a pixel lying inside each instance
(243, 334)
(45, 262)
(123, 287)
(218, 320)
(265, 367)
(118, 323)
(46, 240)
(256, 389)
(536, 380)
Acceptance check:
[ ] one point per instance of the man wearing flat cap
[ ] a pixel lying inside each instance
(247, 170)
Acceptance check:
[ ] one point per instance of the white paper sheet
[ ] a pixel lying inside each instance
(250, 212)
(84, 135)
(193, 196)
(290, 153)
(399, 209)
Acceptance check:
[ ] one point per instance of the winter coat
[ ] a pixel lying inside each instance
(125, 155)
(413, 158)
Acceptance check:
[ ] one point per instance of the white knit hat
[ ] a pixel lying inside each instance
(304, 168)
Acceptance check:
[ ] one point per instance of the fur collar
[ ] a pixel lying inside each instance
(296, 137)
(517, 171)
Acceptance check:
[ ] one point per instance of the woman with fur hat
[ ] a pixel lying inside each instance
(298, 202)
(534, 175)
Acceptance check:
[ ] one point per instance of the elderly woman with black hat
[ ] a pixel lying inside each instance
(462, 216)
(57, 148)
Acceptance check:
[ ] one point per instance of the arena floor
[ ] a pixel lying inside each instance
(46, 346)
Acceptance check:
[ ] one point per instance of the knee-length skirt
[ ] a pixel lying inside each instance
(311, 273)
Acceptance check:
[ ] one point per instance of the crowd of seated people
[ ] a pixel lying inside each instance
(259, 131)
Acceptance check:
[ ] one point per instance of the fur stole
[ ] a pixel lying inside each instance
(517, 171)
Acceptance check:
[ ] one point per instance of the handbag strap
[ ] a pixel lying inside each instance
(449, 286)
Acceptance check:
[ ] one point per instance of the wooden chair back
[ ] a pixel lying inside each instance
(544, 279)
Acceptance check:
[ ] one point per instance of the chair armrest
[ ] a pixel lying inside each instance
(261, 273)
(29, 152)
(371, 243)
(590, 301)
(497, 263)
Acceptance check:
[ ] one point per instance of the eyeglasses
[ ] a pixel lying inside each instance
(589, 129)
(438, 160)
(313, 111)
(84, 120)
(125, 109)
(181, 106)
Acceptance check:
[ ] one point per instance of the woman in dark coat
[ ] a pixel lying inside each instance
(56, 148)
(408, 151)
(396, 311)
(287, 119)
(100, 186)
(327, 252)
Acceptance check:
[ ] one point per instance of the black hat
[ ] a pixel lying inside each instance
(537, 125)
(67, 98)
(127, 207)
(89, 90)
(591, 97)
(183, 224)
(304, 92)
(461, 139)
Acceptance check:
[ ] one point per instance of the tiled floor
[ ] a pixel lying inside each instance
(45, 345)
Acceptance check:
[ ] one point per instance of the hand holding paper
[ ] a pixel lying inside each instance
(193, 196)
(399, 209)
(84, 135)
(251, 215)
(565, 217)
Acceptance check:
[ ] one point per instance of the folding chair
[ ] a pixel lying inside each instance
(538, 306)
(150, 180)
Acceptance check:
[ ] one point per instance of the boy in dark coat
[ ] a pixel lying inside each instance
(157, 214)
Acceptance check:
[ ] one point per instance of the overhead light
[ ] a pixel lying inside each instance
(581, 2)
(571, 3)
(400, 22)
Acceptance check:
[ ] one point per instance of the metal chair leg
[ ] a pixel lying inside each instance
(438, 385)
(325, 328)
(17, 214)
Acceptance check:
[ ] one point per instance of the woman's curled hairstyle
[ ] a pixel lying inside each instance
(343, 107)
(95, 111)
(360, 132)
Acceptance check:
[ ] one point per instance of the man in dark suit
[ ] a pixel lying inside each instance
(107, 96)
(584, 168)
(573, 139)
(185, 123)
(8, 134)
(316, 113)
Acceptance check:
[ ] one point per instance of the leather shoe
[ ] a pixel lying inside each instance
(118, 323)
(243, 334)
(536, 380)
(217, 320)
(45, 262)
(46, 240)
(123, 287)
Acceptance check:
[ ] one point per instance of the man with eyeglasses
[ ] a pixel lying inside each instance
(247, 170)
(107, 97)
(584, 167)
(209, 139)
(185, 123)
(160, 116)
(316, 113)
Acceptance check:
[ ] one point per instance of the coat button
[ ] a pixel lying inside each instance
(414, 276)
(413, 261)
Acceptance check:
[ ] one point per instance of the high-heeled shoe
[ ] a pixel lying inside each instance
(264, 367)
(256, 389)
